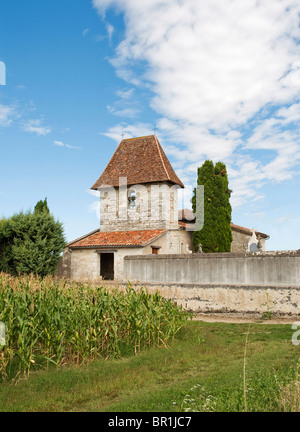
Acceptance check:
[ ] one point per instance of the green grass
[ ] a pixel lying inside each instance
(201, 370)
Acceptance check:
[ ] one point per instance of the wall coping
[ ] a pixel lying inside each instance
(265, 254)
(206, 285)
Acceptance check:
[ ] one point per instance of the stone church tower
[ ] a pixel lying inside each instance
(138, 212)
(138, 188)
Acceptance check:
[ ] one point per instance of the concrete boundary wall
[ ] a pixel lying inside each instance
(231, 284)
(267, 269)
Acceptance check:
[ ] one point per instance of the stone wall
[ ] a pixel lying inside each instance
(240, 241)
(239, 284)
(232, 301)
(64, 265)
(231, 284)
(177, 242)
(85, 265)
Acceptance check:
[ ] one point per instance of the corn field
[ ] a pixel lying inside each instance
(58, 322)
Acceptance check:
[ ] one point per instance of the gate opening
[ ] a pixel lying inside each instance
(107, 266)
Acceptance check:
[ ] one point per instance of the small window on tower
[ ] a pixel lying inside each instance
(132, 199)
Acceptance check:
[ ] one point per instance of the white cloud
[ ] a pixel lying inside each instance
(94, 207)
(99, 38)
(128, 131)
(34, 126)
(6, 115)
(226, 82)
(62, 144)
(123, 112)
(212, 62)
(284, 219)
(85, 32)
(110, 29)
(102, 5)
(125, 94)
(93, 193)
(127, 106)
(64, 130)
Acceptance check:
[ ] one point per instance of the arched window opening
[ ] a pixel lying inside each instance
(132, 199)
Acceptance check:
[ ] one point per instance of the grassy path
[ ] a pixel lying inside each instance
(205, 362)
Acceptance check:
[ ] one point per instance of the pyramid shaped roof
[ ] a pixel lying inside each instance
(140, 160)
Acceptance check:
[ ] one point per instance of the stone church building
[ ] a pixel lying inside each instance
(138, 215)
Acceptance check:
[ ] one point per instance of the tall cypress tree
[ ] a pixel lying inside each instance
(222, 208)
(215, 236)
(206, 237)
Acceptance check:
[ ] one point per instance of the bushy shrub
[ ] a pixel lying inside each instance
(31, 242)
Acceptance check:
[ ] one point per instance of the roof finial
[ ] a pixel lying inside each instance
(123, 134)
(154, 129)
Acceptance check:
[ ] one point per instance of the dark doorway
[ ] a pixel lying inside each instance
(107, 266)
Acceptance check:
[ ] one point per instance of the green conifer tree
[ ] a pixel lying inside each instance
(41, 206)
(215, 236)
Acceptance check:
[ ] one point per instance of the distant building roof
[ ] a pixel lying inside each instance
(141, 160)
(248, 231)
(96, 239)
(186, 217)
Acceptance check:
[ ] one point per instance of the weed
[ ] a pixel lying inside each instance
(289, 397)
(199, 400)
(268, 314)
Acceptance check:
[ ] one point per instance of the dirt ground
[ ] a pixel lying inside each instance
(241, 320)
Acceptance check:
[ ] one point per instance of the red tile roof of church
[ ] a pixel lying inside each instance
(247, 231)
(139, 238)
(140, 160)
(186, 218)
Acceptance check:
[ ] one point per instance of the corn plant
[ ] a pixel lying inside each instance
(58, 322)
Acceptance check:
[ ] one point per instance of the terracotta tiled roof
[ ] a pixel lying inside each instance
(247, 231)
(141, 160)
(82, 237)
(139, 238)
(186, 225)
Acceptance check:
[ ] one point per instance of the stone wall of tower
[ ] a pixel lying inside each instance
(156, 207)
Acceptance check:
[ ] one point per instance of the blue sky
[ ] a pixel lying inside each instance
(219, 79)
